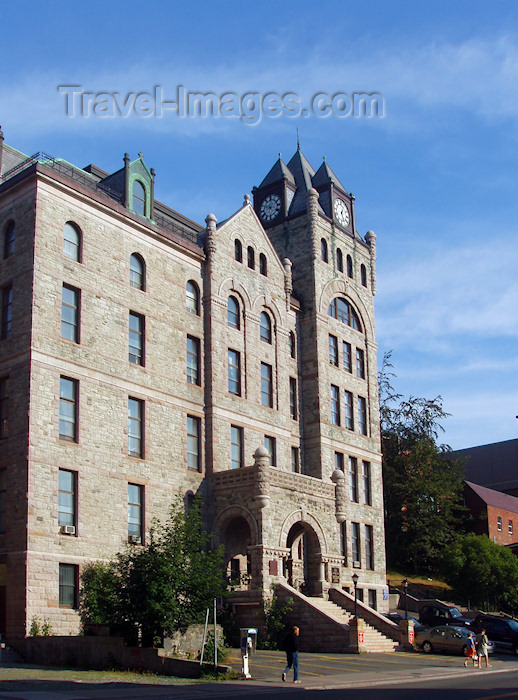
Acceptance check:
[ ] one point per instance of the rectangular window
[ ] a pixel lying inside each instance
(367, 487)
(333, 350)
(348, 403)
(193, 360)
(353, 479)
(295, 460)
(135, 511)
(6, 326)
(70, 313)
(499, 524)
(234, 372)
(510, 527)
(266, 385)
(369, 547)
(360, 594)
(355, 545)
(193, 443)
(136, 338)
(271, 446)
(347, 356)
(135, 427)
(373, 599)
(335, 405)
(236, 447)
(293, 398)
(67, 481)
(68, 390)
(4, 407)
(360, 363)
(68, 585)
(339, 461)
(362, 415)
(3, 498)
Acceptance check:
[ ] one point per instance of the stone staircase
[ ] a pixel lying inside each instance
(373, 639)
(325, 625)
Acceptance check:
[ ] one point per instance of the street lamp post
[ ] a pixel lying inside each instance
(405, 584)
(355, 584)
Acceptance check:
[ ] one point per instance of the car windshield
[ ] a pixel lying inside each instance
(513, 625)
(455, 612)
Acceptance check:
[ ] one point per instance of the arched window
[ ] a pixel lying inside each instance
(266, 328)
(363, 275)
(139, 198)
(189, 501)
(192, 298)
(251, 258)
(344, 312)
(323, 250)
(238, 250)
(339, 260)
(263, 267)
(293, 345)
(233, 317)
(349, 267)
(9, 235)
(137, 272)
(72, 241)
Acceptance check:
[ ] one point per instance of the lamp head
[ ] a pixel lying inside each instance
(355, 579)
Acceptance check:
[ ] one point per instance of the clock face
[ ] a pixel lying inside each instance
(341, 212)
(270, 207)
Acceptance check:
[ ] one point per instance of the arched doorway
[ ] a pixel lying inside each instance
(237, 538)
(303, 563)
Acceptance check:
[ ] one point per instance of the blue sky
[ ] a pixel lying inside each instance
(435, 178)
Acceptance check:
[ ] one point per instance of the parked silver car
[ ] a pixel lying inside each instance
(445, 638)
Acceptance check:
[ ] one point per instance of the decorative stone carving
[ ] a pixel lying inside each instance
(338, 478)
(262, 486)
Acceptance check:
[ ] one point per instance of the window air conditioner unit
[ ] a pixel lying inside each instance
(357, 565)
(67, 529)
(134, 539)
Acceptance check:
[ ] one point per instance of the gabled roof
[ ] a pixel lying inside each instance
(279, 171)
(497, 499)
(324, 175)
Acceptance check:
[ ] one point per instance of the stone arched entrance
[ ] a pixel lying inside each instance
(302, 567)
(236, 530)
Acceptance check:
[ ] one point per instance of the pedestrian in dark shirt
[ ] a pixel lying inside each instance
(291, 647)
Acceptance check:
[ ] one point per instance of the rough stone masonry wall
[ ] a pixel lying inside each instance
(99, 362)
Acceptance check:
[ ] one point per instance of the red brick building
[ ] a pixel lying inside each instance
(494, 514)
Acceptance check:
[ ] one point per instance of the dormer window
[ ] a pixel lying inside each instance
(139, 198)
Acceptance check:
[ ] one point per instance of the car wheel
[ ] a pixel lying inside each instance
(515, 650)
(464, 649)
(427, 647)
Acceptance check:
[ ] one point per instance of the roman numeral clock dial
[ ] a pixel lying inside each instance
(270, 207)
(341, 212)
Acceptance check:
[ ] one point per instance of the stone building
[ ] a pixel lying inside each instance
(142, 355)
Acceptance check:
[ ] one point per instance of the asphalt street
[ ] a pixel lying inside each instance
(401, 676)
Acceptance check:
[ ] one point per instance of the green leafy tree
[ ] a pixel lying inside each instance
(422, 487)
(482, 572)
(160, 587)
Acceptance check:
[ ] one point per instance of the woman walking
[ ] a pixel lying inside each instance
(470, 650)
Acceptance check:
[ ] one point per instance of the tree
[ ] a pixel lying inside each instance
(482, 572)
(160, 587)
(422, 487)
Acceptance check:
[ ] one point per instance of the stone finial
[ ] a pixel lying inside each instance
(126, 159)
(370, 236)
(152, 171)
(247, 200)
(211, 221)
(261, 454)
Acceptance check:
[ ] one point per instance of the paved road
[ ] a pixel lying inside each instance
(399, 676)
